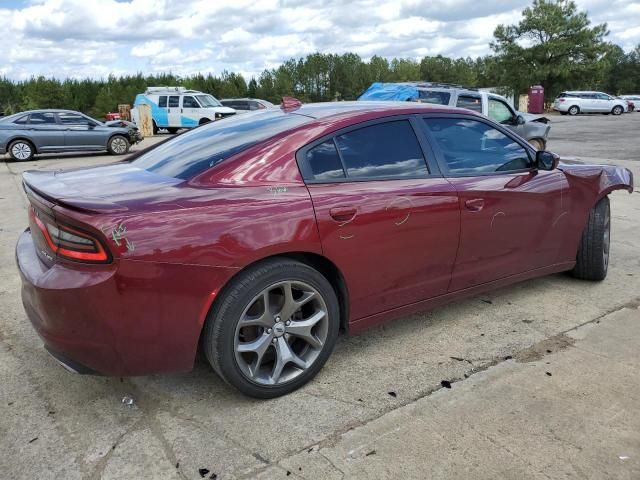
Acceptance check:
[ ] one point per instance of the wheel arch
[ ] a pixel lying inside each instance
(319, 262)
(24, 139)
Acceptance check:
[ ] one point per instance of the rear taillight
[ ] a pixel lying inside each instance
(561, 99)
(68, 242)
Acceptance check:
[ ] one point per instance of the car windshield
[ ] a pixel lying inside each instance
(208, 101)
(193, 152)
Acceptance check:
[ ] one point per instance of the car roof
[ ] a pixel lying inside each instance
(48, 110)
(335, 109)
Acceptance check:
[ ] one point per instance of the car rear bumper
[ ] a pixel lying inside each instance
(118, 319)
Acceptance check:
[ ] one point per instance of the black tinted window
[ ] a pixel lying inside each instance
(471, 102)
(162, 101)
(384, 150)
(193, 152)
(42, 118)
(174, 101)
(324, 162)
(473, 147)
(190, 102)
(438, 98)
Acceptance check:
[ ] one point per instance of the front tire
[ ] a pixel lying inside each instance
(592, 261)
(21, 150)
(617, 110)
(118, 145)
(272, 328)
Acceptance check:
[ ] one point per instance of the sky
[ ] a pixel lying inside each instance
(95, 38)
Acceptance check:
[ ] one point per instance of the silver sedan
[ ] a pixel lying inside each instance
(26, 134)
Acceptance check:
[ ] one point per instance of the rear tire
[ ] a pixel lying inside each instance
(155, 128)
(272, 354)
(617, 110)
(118, 145)
(21, 150)
(592, 261)
(574, 110)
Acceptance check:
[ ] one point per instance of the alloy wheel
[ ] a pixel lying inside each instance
(21, 150)
(119, 145)
(281, 333)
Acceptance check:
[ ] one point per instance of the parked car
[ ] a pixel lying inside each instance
(26, 134)
(634, 100)
(259, 238)
(533, 128)
(576, 102)
(244, 105)
(173, 108)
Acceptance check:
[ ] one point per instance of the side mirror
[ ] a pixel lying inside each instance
(520, 120)
(546, 160)
(91, 126)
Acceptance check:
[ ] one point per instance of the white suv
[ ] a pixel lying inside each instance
(573, 103)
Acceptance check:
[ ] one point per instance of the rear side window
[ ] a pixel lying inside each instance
(22, 120)
(174, 101)
(193, 152)
(42, 118)
(162, 101)
(383, 150)
(324, 162)
(470, 102)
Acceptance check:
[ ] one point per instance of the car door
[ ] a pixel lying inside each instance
(45, 131)
(173, 112)
(589, 103)
(385, 215)
(81, 133)
(605, 102)
(191, 111)
(512, 216)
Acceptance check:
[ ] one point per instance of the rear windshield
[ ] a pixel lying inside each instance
(193, 152)
(435, 97)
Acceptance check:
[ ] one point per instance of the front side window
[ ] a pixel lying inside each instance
(191, 153)
(174, 101)
(471, 147)
(73, 119)
(471, 102)
(388, 149)
(499, 111)
(603, 96)
(324, 162)
(190, 102)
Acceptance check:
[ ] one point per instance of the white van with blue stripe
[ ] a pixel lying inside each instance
(176, 107)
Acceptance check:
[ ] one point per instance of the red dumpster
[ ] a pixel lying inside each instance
(112, 116)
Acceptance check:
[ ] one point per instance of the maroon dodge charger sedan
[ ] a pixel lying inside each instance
(258, 238)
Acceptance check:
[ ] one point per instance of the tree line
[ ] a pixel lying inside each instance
(554, 45)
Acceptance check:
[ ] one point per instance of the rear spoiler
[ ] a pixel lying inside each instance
(46, 186)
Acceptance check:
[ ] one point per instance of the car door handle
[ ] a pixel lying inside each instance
(475, 204)
(343, 214)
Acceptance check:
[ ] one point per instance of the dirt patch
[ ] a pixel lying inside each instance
(539, 350)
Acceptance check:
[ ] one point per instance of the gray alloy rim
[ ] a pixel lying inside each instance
(281, 333)
(119, 145)
(606, 240)
(573, 111)
(21, 151)
(617, 110)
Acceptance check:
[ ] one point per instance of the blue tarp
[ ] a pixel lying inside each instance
(390, 91)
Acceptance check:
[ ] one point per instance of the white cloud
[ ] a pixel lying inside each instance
(97, 37)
